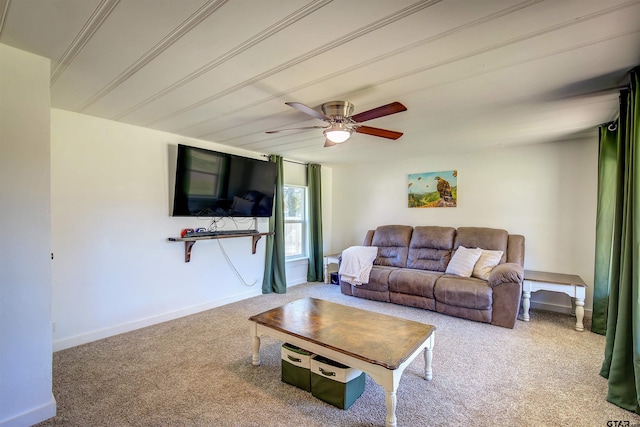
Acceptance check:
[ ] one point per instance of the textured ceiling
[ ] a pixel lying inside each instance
(472, 73)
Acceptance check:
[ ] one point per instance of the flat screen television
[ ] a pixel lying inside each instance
(210, 183)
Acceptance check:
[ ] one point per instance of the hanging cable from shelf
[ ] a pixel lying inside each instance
(235, 270)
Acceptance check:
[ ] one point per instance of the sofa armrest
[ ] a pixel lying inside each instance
(506, 304)
(506, 273)
(506, 282)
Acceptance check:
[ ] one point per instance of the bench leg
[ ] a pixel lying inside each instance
(579, 314)
(526, 300)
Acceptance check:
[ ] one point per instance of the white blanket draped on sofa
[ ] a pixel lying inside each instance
(356, 264)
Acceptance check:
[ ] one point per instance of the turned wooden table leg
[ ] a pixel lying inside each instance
(391, 401)
(579, 314)
(255, 344)
(526, 299)
(428, 357)
(325, 269)
(256, 351)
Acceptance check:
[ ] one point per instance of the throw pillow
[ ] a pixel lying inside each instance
(463, 260)
(485, 264)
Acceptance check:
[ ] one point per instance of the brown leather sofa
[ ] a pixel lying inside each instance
(410, 270)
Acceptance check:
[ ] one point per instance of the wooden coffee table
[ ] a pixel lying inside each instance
(380, 345)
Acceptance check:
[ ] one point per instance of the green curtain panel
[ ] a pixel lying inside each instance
(314, 272)
(607, 190)
(275, 277)
(621, 365)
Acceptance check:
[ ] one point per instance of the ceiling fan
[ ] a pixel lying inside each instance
(341, 124)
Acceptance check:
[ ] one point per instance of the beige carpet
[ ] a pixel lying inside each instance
(197, 371)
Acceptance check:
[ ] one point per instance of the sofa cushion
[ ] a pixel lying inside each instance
(485, 238)
(463, 261)
(378, 287)
(487, 261)
(430, 248)
(378, 279)
(393, 244)
(413, 282)
(467, 292)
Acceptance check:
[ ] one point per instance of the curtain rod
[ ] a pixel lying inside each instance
(289, 160)
(295, 161)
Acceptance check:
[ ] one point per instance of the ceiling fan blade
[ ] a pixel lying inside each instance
(308, 110)
(302, 128)
(384, 133)
(329, 144)
(385, 110)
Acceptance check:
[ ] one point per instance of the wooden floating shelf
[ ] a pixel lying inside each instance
(190, 241)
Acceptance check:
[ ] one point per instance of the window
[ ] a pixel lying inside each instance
(295, 221)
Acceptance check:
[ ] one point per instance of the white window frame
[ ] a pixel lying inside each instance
(304, 222)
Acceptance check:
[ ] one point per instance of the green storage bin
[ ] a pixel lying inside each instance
(335, 383)
(296, 365)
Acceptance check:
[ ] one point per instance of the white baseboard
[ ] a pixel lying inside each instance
(74, 341)
(295, 283)
(300, 281)
(32, 416)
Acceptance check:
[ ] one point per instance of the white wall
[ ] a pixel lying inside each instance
(114, 269)
(546, 192)
(25, 261)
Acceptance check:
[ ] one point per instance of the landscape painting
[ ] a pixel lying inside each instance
(433, 189)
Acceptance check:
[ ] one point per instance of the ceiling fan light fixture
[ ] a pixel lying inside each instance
(338, 133)
(341, 123)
